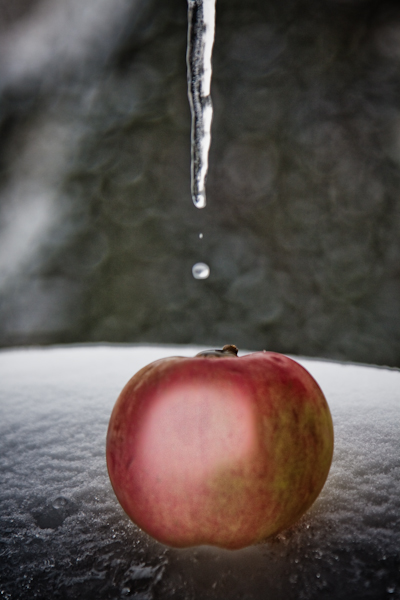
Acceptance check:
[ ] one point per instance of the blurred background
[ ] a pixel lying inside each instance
(98, 233)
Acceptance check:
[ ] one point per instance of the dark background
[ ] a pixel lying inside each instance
(98, 233)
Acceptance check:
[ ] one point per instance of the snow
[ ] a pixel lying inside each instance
(63, 534)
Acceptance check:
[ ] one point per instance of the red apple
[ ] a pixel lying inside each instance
(218, 449)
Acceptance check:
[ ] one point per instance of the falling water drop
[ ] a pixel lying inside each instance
(200, 271)
(201, 30)
(201, 236)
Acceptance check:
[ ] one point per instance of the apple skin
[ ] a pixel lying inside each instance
(223, 451)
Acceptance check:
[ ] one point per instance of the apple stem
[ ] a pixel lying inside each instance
(228, 350)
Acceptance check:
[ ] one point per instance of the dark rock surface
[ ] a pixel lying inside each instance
(97, 231)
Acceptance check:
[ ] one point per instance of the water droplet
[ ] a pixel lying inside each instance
(200, 271)
(199, 200)
(201, 30)
(60, 502)
(201, 236)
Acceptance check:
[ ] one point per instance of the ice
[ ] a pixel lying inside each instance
(201, 28)
(63, 534)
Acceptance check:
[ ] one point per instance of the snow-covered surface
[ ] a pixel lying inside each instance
(64, 535)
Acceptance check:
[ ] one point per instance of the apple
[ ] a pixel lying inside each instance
(219, 449)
